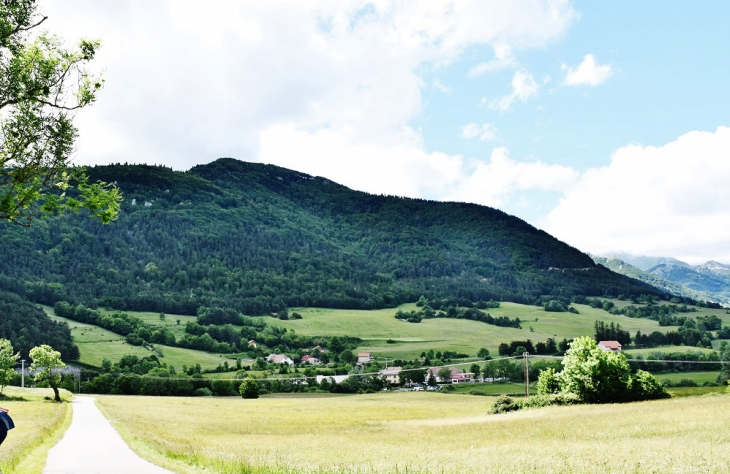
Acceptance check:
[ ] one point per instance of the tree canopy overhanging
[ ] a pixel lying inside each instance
(42, 86)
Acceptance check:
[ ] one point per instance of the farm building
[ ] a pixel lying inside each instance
(610, 346)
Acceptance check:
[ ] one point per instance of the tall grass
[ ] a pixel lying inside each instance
(422, 432)
(39, 424)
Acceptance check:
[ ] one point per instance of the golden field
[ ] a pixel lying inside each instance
(39, 424)
(422, 432)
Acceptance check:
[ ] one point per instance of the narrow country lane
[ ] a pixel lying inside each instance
(92, 446)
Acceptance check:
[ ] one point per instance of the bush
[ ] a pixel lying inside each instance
(477, 392)
(504, 404)
(202, 392)
(249, 389)
(558, 399)
(643, 386)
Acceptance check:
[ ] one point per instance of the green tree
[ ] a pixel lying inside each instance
(7, 363)
(548, 382)
(45, 361)
(444, 374)
(598, 376)
(475, 369)
(483, 353)
(249, 389)
(42, 86)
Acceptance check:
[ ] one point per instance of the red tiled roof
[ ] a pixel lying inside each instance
(611, 344)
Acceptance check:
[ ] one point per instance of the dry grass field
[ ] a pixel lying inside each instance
(39, 424)
(422, 433)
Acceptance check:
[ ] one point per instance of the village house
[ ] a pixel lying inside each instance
(253, 344)
(279, 359)
(364, 357)
(610, 346)
(308, 359)
(457, 375)
(391, 374)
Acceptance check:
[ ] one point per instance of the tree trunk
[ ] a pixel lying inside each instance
(57, 395)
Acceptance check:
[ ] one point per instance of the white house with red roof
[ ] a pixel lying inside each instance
(279, 359)
(308, 359)
(364, 357)
(610, 346)
(457, 375)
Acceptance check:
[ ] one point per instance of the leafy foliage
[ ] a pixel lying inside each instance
(7, 363)
(46, 361)
(257, 239)
(597, 376)
(42, 84)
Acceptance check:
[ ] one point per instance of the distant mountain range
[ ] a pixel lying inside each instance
(709, 281)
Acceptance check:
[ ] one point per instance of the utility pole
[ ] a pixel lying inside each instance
(527, 373)
(22, 373)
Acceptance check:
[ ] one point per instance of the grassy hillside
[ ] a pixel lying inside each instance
(95, 344)
(423, 433)
(257, 238)
(382, 334)
(409, 340)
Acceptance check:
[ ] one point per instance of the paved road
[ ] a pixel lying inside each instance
(92, 446)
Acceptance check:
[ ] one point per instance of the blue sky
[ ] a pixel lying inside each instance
(603, 123)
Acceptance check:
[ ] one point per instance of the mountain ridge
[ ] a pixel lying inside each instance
(258, 238)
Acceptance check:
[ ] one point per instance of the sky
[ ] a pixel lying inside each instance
(605, 124)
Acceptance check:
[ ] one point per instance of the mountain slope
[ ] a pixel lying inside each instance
(258, 238)
(708, 282)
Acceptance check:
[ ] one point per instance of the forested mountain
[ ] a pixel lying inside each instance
(257, 238)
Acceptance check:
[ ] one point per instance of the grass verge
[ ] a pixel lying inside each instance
(39, 424)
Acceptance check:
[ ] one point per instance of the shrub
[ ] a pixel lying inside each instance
(249, 389)
(504, 404)
(643, 386)
(549, 382)
(203, 392)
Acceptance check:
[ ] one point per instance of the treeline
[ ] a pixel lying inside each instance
(659, 361)
(149, 376)
(448, 308)
(549, 347)
(258, 239)
(26, 326)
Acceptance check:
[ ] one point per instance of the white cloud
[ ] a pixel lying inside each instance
(187, 83)
(503, 58)
(587, 73)
(483, 132)
(669, 200)
(493, 183)
(524, 86)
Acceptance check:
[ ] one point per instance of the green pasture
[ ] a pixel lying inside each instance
(386, 336)
(697, 391)
(96, 344)
(668, 349)
(699, 377)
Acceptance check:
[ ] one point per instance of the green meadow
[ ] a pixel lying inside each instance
(383, 335)
(386, 336)
(96, 344)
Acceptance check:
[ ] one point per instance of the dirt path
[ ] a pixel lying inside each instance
(91, 445)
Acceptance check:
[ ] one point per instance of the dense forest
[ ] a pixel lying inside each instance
(258, 238)
(27, 326)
